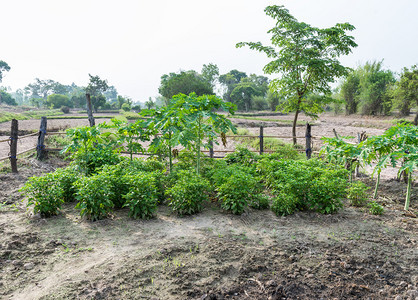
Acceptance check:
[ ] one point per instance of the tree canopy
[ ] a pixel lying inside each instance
(405, 93)
(305, 57)
(185, 82)
(4, 67)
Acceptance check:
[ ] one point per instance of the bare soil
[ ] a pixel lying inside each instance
(211, 255)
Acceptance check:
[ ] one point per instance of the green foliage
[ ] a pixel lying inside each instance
(284, 204)
(188, 194)
(45, 193)
(58, 101)
(405, 93)
(259, 201)
(94, 196)
(126, 107)
(374, 88)
(4, 67)
(242, 156)
(306, 59)
(91, 148)
(375, 208)
(184, 83)
(6, 98)
(235, 192)
(66, 178)
(27, 115)
(142, 197)
(357, 193)
(311, 185)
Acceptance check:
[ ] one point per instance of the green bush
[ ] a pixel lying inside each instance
(126, 107)
(314, 185)
(114, 177)
(241, 156)
(259, 201)
(94, 196)
(66, 178)
(236, 191)
(375, 208)
(357, 193)
(44, 193)
(187, 195)
(284, 204)
(142, 196)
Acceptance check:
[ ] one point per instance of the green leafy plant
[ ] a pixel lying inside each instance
(142, 196)
(66, 178)
(188, 194)
(284, 204)
(375, 208)
(94, 196)
(357, 193)
(236, 191)
(44, 193)
(91, 148)
(241, 156)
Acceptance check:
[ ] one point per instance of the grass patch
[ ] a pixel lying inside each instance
(28, 115)
(287, 122)
(79, 117)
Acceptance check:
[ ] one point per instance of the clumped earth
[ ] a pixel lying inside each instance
(211, 255)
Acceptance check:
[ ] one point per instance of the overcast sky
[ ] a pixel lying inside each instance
(131, 43)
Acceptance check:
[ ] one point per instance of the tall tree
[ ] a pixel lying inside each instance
(210, 73)
(405, 93)
(4, 67)
(374, 84)
(305, 57)
(230, 81)
(350, 91)
(96, 88)
(185, 82)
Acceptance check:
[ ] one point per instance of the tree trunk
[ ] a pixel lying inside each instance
(294, 127)
(416, 119)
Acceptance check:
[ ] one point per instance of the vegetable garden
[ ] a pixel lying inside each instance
(261, 231)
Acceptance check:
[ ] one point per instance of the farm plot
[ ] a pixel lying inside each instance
(209, 255)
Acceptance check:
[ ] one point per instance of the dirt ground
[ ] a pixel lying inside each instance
(211, 255)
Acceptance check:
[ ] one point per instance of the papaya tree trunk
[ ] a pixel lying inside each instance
(408, 191)
(377, 185)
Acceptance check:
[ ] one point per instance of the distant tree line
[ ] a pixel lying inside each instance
(372, 90)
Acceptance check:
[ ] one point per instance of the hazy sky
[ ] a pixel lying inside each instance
(131, 43)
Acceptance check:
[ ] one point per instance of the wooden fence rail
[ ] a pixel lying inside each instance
(42, 149)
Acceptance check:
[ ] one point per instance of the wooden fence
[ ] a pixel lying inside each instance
(42, 150)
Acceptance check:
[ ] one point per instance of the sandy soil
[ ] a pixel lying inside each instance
(211, 255)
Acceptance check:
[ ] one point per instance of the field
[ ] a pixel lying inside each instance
(213, 254)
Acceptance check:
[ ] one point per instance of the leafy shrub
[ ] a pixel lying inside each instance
(375, 208)
(284, 204)
(241, 156)
(357, 193)
(284, 152)
(94, 195)
(315, 185)
(44, 193)
(114, 177)
(236, 191)
(188, 193)
(65, 109)
(326, 193)
(259, 201)
(126, 107)
(142, 196)
(66, 178)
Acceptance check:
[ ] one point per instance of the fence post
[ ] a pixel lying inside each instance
(308, 141)
(90, 111)
(210, 147)
(13, 145)
(261, 140)
(40, 148)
